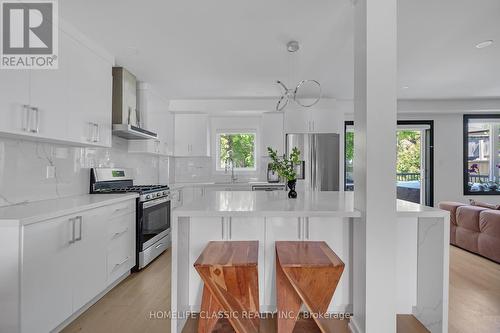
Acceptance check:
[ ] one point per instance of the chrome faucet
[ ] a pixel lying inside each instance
(230, 164)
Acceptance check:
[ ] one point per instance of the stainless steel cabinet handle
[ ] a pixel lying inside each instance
(159, 245)
(120, 264)
(73, 222)
(80, 220)
(96, 132)
(118, 234)
(36, 112)
(26, 118)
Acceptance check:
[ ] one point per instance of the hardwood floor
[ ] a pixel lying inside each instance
(126, 308)
(474, 301)
(474, 293)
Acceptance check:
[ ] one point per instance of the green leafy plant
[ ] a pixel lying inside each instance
(285, 166)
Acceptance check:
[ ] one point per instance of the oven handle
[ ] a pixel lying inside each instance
(155, 202)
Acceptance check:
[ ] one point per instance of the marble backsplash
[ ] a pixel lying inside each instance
(23, 169)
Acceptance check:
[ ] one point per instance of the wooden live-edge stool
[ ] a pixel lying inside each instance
(231, 286)
(306, 272)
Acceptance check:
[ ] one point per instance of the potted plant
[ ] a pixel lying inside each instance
(285, 167)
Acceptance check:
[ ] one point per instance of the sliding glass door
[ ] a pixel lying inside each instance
(414, 161)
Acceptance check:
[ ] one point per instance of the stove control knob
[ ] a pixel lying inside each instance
(148, 196)
(164, 192)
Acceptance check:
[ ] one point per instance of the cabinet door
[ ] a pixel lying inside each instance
(324, 121)
(336, 232)
(297, 121)
(201, 231)
(272, 133)
(183, 132)
(50, 94)
(47, 283)
(90, 79)
(251, 228)
(199, 135)
(14, 94)
(90, 271)
(277, 229)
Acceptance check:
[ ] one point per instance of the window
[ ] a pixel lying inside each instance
(237, 150)
(482, 154)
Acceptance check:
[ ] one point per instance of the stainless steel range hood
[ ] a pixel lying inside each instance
(127, 119)
(130, 132)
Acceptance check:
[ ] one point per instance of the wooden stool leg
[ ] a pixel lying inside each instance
(208, 313)
(288, 301)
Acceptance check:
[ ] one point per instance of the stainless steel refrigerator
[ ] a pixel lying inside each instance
(319, 170)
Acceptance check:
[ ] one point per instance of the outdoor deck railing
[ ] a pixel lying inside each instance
(406, 177)
(478, 178)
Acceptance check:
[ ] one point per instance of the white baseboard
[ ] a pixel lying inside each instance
(89, 304)
(354, 327)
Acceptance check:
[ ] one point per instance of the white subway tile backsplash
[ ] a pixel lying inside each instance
(23, 168)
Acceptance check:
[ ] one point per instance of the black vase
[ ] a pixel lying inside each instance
(292, 194)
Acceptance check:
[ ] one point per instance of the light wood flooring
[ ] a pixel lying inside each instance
(474, 301)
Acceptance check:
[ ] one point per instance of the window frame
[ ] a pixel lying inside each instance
(219, 133)
(465, 159)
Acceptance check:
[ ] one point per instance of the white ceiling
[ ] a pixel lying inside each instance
(236, 49)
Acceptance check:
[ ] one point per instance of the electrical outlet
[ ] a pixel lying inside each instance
(51, 172)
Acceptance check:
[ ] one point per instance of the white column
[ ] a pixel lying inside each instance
(375, 166)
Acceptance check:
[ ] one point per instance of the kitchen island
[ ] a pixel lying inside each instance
(423, 235)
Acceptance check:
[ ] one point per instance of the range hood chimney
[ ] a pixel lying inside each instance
(127, 119)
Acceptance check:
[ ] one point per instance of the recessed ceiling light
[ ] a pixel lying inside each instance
(405, 87)
(484, 44)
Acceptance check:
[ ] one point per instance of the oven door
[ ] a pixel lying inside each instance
(154, 221)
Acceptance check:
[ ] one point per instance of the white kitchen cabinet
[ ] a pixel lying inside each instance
(47, 275)
(311, 120)
(272, 134)
(14, 95)
(89, 274)
(158, 119)
(68, 261)
(91, 84)
(69, 105)
(201, 230)
(277, 229)
(191, 135)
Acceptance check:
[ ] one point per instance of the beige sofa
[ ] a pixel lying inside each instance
(474, 228)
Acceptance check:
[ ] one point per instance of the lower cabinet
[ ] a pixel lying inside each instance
(68, 261)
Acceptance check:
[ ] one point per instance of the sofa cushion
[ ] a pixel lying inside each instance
(483, 204)
(489, 238)
(468, 217)
(452, 208)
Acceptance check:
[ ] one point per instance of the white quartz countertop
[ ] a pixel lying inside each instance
(308, 204)
(221, 184)
(37, 211)
(248, 203)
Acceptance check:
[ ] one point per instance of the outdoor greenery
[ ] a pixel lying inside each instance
(408, 145)
(285, 166)
(238, 149)
(409, 151)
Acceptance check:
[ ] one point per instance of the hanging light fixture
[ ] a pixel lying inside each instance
(307, 93)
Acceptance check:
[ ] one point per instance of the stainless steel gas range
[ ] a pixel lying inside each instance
(153, 210)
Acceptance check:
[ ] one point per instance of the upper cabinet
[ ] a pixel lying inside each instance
(311, 120)
(71, 104)
(158, 119)
(191, 135)
(272, 133)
